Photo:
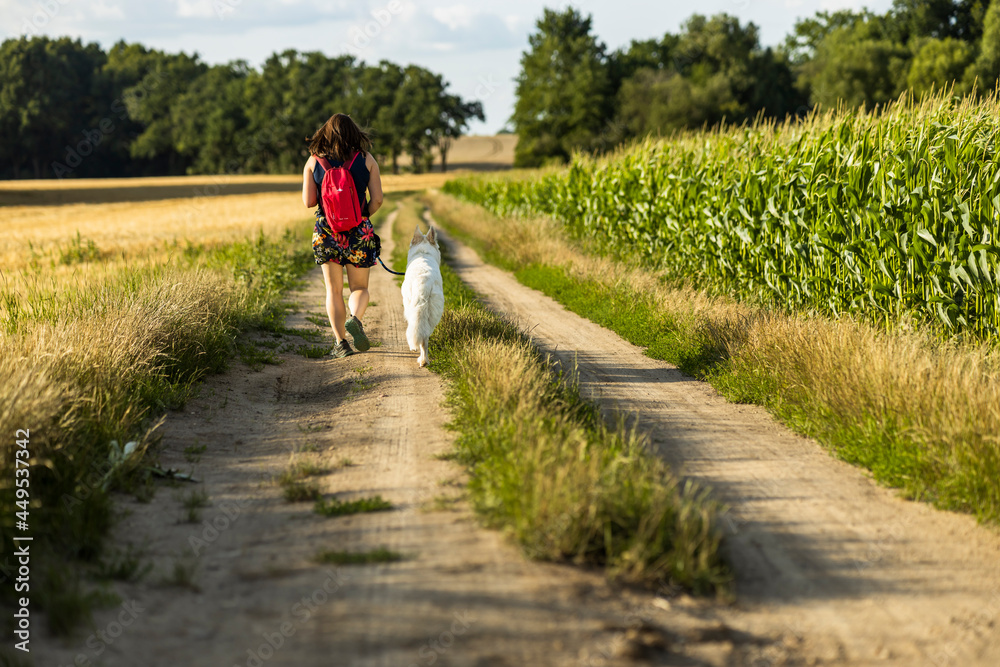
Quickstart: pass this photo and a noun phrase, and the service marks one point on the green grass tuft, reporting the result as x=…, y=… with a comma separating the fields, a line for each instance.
x=313, y=351
x=336, y=507
x=301, y=492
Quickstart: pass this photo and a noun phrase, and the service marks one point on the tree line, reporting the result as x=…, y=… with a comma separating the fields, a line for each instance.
x=573, y=94
x=69, y=109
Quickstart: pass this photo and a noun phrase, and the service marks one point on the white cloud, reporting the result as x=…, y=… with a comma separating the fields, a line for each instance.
x=104, y=11
x=455, y=17
x=200, y=9
x=514, y=22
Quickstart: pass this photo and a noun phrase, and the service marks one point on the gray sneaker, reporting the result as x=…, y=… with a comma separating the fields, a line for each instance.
x=353, y=326
x=342, y=349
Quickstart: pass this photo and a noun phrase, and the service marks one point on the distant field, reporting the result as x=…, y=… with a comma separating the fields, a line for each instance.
x=477, y=153
x=40, y=219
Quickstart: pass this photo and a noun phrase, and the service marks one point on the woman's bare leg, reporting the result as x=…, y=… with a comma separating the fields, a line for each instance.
x=333, y=276
x=357, y=280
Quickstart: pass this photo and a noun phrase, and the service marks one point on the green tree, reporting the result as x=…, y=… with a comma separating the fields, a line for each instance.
x=938, y=64
x=856, y=68
x=563, y=90
x=269, y=109
x=49, y=98
x=151, y=102
x=72, y=108
x=455, y=116
x=660, y=102
x=293, y=95
x=432, y=117
x=422, y=91
x=124, y=73
x=714, y=71
x=380, y=107
x=652, y=54
x=210, y=121
x=912, y=19
x=986, y=69
x=809, y=33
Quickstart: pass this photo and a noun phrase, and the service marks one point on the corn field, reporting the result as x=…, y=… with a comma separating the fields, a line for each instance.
x=887, y=215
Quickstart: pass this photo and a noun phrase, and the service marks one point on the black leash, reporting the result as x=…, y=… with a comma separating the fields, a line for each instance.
x=397, y=273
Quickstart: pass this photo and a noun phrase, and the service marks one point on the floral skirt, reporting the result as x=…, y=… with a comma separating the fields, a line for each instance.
x=359, y=246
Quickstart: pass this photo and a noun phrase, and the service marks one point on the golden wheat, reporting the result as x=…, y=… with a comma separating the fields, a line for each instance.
x=145, y=218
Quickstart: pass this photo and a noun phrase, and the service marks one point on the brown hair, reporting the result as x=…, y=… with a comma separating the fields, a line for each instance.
x=339, y=138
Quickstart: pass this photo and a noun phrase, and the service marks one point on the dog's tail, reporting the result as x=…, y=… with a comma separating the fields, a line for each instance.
x=412, y=327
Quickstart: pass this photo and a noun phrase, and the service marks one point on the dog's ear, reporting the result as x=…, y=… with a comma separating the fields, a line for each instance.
x=432, y=236
x=417, y=237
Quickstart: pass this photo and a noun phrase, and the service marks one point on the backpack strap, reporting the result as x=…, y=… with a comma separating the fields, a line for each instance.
x=352, y=160
x=323, y=162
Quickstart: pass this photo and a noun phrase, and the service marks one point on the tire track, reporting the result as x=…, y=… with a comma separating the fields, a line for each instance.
x=843, y=569
x=255, y=596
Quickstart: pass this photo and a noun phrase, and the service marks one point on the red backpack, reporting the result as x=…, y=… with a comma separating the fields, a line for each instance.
x=339, y=196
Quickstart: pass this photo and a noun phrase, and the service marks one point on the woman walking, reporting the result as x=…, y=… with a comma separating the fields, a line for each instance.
x=341, y=142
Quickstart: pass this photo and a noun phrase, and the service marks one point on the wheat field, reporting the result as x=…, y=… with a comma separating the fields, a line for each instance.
x=125, y=219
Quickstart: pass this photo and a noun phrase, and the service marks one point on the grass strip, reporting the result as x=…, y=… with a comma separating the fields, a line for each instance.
x=923, y=415
x=545, y=467
x=90, y=364
x=335, y=507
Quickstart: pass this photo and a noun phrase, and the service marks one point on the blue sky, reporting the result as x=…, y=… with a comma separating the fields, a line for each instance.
x=476, y=45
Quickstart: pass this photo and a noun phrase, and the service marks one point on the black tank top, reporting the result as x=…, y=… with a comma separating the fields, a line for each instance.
x=360, y=173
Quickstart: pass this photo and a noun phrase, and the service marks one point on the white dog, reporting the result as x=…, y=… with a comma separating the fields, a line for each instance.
x=423, y=291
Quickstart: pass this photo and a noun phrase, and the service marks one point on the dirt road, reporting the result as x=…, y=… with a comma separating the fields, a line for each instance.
x=240, y=584
x=844, y=570
x=832, y=569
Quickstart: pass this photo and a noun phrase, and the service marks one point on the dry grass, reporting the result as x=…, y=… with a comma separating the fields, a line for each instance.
x=145, y=229
x=546, y=468
x=923, y=414
x=96, y=342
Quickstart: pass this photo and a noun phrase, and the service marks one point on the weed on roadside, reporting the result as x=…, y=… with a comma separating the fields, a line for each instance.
x=182, y=572
x=313, y=351
x=294, y=488
x=193, y=503
x=123, y=565
x=300, y=492
x=192, y=453
x=69, y=600
x=255, y=357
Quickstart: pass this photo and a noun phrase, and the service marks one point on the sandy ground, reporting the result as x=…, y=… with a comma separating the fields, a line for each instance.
x=843, y=570
x=240, y=585
x=832, y=569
